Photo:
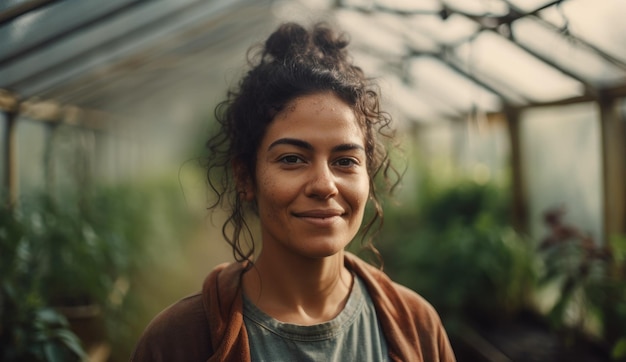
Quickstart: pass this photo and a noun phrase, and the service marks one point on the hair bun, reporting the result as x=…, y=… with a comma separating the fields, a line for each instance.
x=293, y=42
x=289, y=41
x=329, y=43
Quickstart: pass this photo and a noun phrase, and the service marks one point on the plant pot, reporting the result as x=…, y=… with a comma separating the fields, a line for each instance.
x=87, y=322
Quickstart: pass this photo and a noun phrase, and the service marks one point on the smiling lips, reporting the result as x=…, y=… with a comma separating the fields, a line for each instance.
x=320, y=217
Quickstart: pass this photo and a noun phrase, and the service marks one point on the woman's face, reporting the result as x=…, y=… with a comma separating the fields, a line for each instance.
x=311, y=178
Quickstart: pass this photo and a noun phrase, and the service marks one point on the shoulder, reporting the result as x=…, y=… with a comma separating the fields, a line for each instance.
x=410, y=323
x=184, y=330
x=416, y=305
x=413, y=299
x=378, y=276
x=180, y=332
x=426, y=322
x=402, y=300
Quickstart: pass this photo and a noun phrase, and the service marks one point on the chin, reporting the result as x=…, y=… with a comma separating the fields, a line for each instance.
x=323, y=251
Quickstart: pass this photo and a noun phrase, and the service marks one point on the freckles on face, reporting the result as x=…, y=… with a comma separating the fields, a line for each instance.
x=311, y=177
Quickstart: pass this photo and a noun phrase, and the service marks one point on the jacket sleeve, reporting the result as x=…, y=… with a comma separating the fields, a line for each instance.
x=179, y=333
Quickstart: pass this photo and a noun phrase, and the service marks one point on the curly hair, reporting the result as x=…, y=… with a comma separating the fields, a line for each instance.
x=293, y=62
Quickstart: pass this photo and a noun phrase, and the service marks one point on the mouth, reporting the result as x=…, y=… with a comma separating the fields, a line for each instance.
x=320, y=214
x=320, y=217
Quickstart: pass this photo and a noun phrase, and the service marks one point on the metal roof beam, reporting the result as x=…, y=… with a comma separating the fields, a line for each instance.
x=608, y=93
x=9, y=102
x=54, y=38
x=103, y=47
x=589, y=89
x=48, y=111
x=87, y=89
x=445, y=59
x=21, y=9
x=617, y=62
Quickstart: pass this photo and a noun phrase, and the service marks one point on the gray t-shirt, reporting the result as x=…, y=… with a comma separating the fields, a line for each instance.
x=354, y=335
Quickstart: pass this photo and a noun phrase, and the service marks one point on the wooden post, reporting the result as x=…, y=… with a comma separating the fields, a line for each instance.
x=10, y=159
x=48, y=159
x=518, y=182
x=613, y=135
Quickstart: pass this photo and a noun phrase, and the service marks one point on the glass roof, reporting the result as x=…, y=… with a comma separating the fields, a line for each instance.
x=435, y=59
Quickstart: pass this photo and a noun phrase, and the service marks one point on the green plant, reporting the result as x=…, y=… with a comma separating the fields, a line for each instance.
x=29, y=330
x=84, y=249
x=458, y=251
x=71, y=253
x=591, y=280
x=87, y=244
x=81, y=251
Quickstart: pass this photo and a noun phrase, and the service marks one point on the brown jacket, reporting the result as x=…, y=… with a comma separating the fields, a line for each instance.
x=209, y=326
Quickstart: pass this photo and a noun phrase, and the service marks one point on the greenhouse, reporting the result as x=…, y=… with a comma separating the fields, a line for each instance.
x=510, y=218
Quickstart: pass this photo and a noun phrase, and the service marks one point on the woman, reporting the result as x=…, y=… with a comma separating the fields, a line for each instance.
x=298, y=146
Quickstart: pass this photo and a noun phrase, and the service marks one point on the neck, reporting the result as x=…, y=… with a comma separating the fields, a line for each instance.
x=299, y=290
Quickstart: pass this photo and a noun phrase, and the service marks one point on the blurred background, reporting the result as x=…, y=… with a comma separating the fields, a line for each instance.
x=511, y=219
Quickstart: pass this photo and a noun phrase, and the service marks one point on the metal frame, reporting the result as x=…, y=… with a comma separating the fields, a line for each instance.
x=612, y=126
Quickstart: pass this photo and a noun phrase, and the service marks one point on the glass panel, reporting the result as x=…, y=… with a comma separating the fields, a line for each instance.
x=479, y=7
x=562, y=160
x=176, y=64
x=458, y=91
x=403, y=29
x=528, y=6
x=411, y=6
x=103, y=43
x=30, y=139
x=406, y=103
x=409, y=104
x=310, y=4
x=301, y=11
x=510, y=70
x=6, y=4
x=447, y=150
x=48, y=21
x=357, y=3
x=378, y=38
x=483, y=149
x=371, y=64
x=419, y=42
x=3, y=128
x=585, y=63
x=600, y=23
x=454, y=29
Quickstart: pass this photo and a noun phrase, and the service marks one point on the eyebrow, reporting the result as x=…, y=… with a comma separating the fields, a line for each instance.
x=307, y=146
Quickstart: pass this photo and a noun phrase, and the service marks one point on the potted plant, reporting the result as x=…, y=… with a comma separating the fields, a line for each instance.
x=29, y=330
x=591, y=283
x=77, y=262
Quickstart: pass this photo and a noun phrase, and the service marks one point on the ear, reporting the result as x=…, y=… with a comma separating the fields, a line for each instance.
x=245, y=185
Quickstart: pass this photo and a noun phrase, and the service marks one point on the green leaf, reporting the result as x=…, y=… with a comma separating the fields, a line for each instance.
x=619, y=349
x=71, y=341
x=56, y=352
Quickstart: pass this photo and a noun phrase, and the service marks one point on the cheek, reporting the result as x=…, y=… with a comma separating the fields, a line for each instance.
x=359, y=194
x=271, y=191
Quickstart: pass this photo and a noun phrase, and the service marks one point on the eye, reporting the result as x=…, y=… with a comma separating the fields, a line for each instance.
x=346, y=162
x=291, y=159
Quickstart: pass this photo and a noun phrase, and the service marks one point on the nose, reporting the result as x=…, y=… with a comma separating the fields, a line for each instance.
x=322, y=183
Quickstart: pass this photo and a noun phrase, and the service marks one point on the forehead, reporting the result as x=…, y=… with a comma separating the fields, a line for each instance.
x=315, y=114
